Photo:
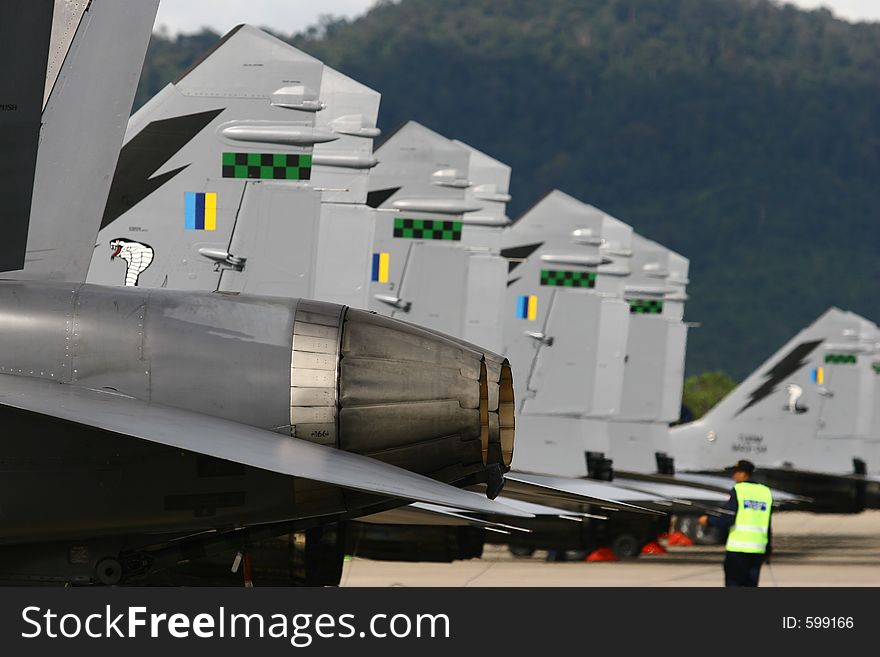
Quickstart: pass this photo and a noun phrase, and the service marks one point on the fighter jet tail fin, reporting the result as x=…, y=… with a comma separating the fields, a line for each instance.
x=782, y=414
x=74, y=65
x=24, y=47
x=789, y=380
x=216, y=174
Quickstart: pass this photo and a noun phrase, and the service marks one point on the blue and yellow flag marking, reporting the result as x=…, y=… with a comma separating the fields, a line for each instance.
x=527, y=307
x=201, y=211
x=817, y=375
x=381, y=262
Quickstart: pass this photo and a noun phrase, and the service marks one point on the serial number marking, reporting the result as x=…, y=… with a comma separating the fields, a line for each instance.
x=749, y=443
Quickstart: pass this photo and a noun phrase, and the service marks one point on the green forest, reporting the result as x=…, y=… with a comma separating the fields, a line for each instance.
x=743, y=134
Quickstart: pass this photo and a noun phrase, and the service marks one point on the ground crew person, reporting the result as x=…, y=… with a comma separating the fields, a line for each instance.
x=748, y=541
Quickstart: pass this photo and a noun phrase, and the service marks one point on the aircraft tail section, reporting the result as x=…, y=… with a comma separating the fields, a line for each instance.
x=565, y=330
x=24, y=46
x=441, y=208
x=342, y=167
x=215, y=175
x=87, y=85
x=654, y=363
x=791, y=413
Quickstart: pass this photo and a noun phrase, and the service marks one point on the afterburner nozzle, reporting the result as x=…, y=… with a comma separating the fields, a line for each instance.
x=406, y=395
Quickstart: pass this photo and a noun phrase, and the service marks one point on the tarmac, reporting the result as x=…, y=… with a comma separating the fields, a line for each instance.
x=810, y=550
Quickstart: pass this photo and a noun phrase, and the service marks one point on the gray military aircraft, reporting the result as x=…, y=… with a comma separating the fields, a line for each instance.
x=261, y=413
x=803, y=417
x=653, y=375
x=566, y=329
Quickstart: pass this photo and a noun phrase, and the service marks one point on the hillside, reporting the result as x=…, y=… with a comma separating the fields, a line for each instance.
x=742, y=134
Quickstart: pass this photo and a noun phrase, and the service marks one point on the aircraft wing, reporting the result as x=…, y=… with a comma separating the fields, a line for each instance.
x=681, y=495
x=421, y=513
x=719, y=483
x=259, y=448
x=569, y=492
x=544, y=510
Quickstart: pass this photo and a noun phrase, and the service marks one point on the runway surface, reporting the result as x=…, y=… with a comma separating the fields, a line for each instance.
x=810, y=550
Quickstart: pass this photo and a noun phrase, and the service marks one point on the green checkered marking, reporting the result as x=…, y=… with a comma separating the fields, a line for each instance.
x=561, y=278
x=267, y=166
x=841, y=359
x=428, y=229
x=645, y=306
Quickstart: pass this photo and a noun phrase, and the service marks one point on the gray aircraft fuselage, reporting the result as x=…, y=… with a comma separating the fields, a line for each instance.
x=273, y=363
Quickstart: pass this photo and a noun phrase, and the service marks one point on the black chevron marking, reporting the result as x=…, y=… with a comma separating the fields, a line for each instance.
x=145, y=154
x=790, y=363
x=519, y=253
x=379, y=196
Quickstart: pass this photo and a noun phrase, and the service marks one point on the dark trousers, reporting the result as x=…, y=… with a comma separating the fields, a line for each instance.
x=742, y=569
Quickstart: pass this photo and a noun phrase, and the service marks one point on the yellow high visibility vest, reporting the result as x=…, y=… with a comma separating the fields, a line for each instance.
x=752, y=524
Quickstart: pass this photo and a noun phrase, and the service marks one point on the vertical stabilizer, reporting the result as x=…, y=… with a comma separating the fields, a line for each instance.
x=24, y=46
x=565, y=330
x=654, y=369
x=342, y=167
x=798, y=411
x=214, y=177
x=438, y=234
x=88, y=84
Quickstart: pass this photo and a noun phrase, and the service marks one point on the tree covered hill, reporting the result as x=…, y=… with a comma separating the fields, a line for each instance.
x=741, y=133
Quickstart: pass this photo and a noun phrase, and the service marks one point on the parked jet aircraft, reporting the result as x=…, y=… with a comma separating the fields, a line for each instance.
x=653, y=376
x=566, y=330
x=260, y=413
x=802, y=417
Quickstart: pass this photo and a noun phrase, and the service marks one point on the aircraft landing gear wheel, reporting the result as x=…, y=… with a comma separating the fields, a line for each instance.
x=708, y=536
x=318, y=555
x=687, y=525
x=521, y=551
x=626, y=546
x=108, y=572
